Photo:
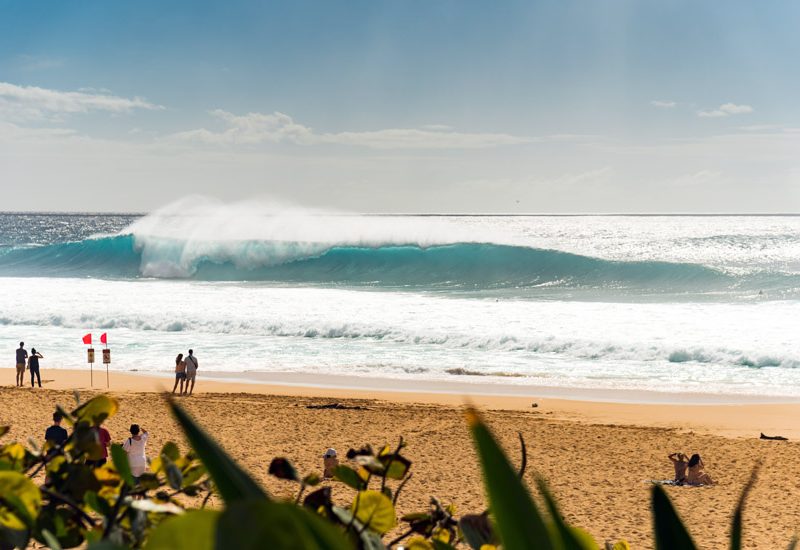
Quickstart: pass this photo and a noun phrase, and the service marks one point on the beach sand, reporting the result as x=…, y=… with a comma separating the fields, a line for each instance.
x=598, y=457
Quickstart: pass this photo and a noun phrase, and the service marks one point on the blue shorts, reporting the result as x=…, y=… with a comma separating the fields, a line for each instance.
x=180, y=376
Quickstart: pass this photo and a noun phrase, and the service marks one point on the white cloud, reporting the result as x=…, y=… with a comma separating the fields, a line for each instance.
x=256, y=128
x=663, y=104
x=726, y=109
x=34, y=103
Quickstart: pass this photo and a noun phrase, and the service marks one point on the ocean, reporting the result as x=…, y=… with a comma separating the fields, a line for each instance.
x=674, y=304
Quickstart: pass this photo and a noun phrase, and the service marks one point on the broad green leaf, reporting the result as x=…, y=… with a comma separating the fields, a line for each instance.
x=99, y=505
x=232, y=482
x=349, y=477
x=369, y=540
x=20, y=501
x=418, y=543
x=195, y=530
x=62, y=524
x=477, y=530
x=174, y=475
x=258, y=524
x=282, y=469
x=97, y=410
x=14, y=455
x=670, y=533
x=736, y=526
x=120, y=459
x=520, y=525
x=105, y=545
x=50, y=540
x=571, y=537
x=170, y=450
x=311, y=480
x=375, y=510
x=621, y=545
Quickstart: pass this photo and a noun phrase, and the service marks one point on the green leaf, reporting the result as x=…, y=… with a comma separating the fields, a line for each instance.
x=105, y=545
x=282, y=469
x=520, y=525
x=171, y=451
x=20, y=501
x=4, y=430
x=571, y=537
x=120, y=459
x=670, y=532
x=195, y=530
x=349, y=477
x=257, y=524
x=311, y=480
x=232, y=482
x=50, y=540
x=96, y=503
x=370, y=540
x=174, y=475
x=736, y=526
x=63, y=524
x=375, y=510
x=95, y=411
x=476, y=530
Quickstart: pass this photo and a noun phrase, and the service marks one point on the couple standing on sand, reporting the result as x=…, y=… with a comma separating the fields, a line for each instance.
x=32, y=362
x=185, y=372
x=696, y=474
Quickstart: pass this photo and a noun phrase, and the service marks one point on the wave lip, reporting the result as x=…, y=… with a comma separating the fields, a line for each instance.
x=460, y=265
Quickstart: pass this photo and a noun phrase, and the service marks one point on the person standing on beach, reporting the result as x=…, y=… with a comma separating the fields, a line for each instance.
x=135, y=447
x=33, y=366
x=101, y=457
x=55, y=434
x=180, y=372
x=22, y=358
x=191, y=372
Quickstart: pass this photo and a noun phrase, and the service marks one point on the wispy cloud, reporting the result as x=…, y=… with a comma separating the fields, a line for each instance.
x=34, y=103
x=663, y=104
x=726, y=109
x=256, y=128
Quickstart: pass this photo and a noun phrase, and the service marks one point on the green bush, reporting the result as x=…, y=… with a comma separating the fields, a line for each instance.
x=105, y=509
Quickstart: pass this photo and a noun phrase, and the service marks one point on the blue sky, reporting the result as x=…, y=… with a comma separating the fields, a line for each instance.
x=571, y=106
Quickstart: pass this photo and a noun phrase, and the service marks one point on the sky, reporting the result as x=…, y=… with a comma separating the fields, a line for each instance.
x=571, y=106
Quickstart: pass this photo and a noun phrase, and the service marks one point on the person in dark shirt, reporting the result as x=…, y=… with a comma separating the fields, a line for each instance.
x=22, y=358
x=33, y=365
x=56, y=433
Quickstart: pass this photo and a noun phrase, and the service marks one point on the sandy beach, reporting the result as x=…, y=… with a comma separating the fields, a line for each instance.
x=597, y=456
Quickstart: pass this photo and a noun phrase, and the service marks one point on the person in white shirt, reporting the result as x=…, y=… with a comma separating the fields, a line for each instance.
x=135, y=447
x=191, y=372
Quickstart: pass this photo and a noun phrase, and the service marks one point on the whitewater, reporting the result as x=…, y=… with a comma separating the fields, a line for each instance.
x=673, y=304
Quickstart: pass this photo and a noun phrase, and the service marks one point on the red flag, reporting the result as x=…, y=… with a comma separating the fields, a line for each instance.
x=103, y=338
x=88, y=339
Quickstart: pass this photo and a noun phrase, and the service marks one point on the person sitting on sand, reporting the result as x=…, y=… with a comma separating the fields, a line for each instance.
x=696, y=474
x=180, y=372
x=329, y=463
x=33, y=366
x=681, y=462
x=191, y=372
x=22, y=358
x=135, y=447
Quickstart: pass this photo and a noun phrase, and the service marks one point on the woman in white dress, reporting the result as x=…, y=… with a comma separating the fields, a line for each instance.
x=135, y=447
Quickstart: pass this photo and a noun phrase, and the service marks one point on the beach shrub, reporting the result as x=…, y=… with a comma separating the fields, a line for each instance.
x=105, y=508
